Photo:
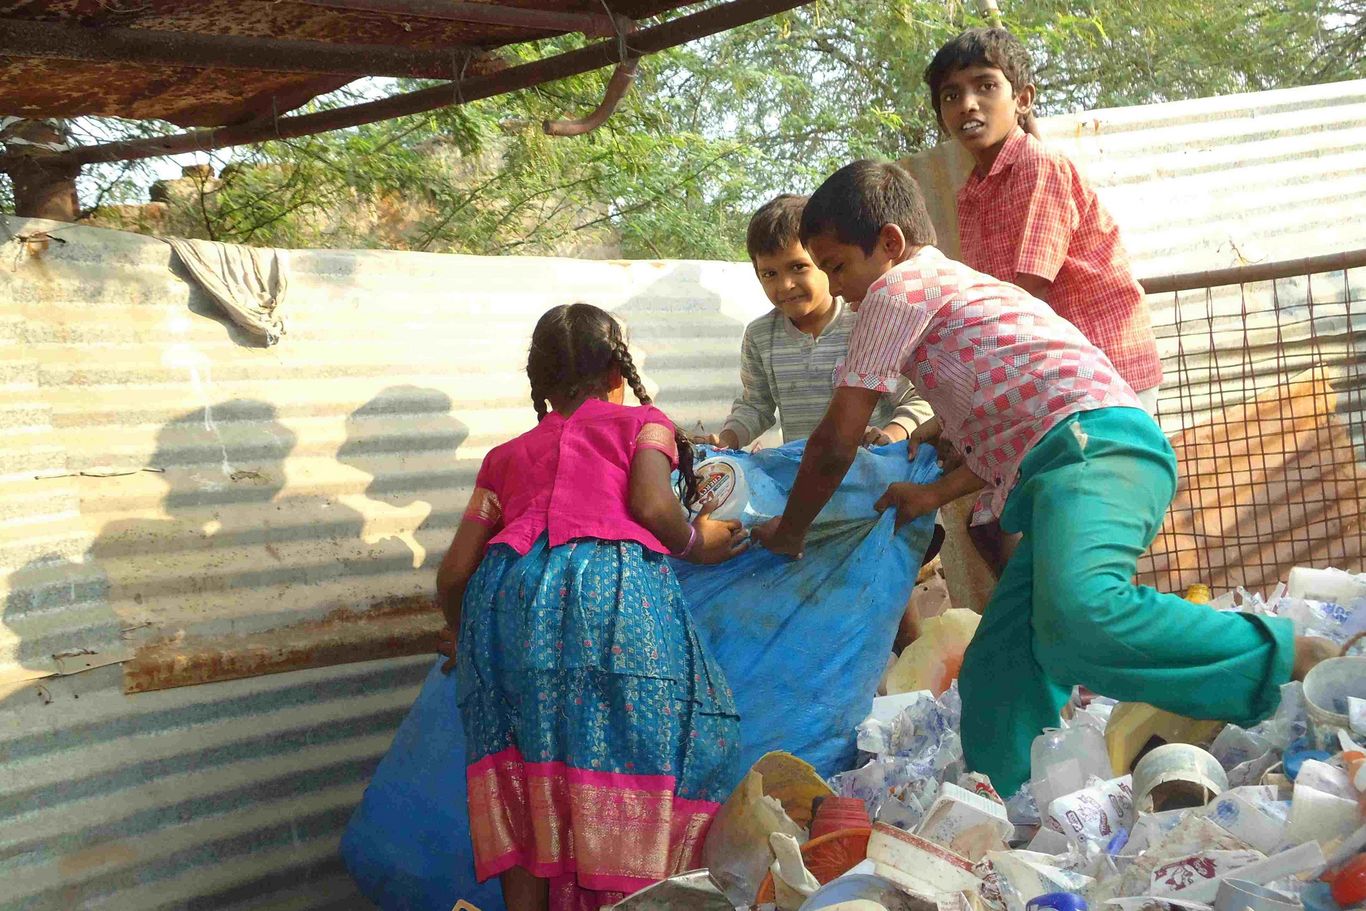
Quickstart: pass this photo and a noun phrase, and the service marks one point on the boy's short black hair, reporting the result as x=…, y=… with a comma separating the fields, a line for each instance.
x=994, y=47
x=775, y=226
x=857, y=200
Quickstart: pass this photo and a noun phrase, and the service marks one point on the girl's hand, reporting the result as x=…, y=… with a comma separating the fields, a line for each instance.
x=717, y=540
x=446, y=645
x=771, y=536
x=911, y=501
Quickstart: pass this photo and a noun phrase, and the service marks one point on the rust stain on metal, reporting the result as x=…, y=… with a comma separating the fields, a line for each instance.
x=392, y=628
x=101, y=855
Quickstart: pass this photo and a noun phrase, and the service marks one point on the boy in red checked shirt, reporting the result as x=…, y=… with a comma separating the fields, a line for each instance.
x=1067, y=457
x=1027, y=216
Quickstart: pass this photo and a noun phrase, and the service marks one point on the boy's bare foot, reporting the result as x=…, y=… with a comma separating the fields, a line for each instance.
x=1309, y=651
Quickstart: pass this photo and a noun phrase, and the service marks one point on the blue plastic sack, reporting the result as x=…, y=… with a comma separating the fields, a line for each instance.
x=803, y=644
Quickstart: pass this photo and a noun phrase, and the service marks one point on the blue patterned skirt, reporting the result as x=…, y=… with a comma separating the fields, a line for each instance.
x=601, y=735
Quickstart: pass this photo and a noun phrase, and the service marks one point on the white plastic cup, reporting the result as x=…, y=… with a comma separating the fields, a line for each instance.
x=721, y=478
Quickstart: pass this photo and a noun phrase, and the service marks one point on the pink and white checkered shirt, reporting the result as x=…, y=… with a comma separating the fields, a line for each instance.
x=1033, y=214
x=998, y=366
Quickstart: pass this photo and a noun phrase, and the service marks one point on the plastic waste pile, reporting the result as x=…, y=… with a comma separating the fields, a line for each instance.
x=1128, y=807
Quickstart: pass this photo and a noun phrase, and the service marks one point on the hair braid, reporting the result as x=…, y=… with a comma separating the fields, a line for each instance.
x=538, y=402
x=687, y=478
x=627, y=365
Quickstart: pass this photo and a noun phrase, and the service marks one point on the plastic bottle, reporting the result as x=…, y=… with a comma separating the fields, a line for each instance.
x=1349, y=885
x=1057, y=901
x=1061, y=761
x=1198, y=593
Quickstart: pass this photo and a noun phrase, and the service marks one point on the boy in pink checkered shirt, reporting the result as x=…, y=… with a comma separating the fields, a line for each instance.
x=1067, y=457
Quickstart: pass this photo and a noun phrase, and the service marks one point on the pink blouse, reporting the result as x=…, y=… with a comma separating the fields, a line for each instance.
x=569, y=477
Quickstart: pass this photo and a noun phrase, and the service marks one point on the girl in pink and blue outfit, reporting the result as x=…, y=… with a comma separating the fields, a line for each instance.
x=601, y=734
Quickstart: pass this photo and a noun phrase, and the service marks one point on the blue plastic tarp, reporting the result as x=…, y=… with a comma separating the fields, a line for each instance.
x=803, y=643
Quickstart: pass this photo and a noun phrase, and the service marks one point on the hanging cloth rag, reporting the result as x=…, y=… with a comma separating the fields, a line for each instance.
x=249, y=283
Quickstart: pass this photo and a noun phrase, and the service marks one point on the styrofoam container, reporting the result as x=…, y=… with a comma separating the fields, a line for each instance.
x=918, y=866
x=1326, y=585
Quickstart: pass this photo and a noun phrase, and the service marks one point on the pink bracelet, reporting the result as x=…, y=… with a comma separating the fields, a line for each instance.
x=692, y=539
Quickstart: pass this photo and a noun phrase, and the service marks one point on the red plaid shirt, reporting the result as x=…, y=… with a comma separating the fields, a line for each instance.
x=1035, y=215
x=998, y=366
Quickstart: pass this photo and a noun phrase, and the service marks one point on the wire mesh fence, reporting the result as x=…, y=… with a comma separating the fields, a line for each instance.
x=1264, y=400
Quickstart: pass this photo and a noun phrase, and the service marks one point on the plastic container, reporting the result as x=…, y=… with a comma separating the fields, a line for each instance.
x=932, y=662
x=836, y=814
x=1061, y=761
x=861, y=891
x=1325, y=585
x=827, y=858
x=1349, y=885
x=721, y=478
x=1240, y=895
x=1326, y=690
x=1057, y=901
x=1194, y=773
x=1135, y=725
x=920, y=867
x=1198, y=593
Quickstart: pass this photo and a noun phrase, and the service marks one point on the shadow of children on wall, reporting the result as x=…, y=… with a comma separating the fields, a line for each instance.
x=405, y=439
x=57, y=621
x=228, y=534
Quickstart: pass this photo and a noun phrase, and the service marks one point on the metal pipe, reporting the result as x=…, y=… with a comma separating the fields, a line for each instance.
x=617, y=87
x=1258, y=272
x=56, y=40
x=651, y=40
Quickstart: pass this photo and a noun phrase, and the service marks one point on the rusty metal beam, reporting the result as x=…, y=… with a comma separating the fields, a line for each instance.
x=595, y=24
x=55, y=40
x=1257, y=272
x=595, y=56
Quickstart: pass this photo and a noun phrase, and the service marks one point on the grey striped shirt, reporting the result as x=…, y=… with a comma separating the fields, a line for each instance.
x=785, y=370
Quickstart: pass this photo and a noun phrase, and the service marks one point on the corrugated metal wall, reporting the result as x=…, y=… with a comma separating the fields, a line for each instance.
x=159, y=478
x=1208, y=183
x=164, y=481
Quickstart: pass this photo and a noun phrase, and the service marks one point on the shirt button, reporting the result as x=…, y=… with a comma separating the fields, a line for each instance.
x=998, y=482
x=967, y=450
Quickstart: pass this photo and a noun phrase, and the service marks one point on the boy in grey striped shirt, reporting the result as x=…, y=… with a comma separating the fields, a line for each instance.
x=789, y=355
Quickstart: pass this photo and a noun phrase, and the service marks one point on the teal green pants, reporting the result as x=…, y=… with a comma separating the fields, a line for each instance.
x=1089, y=500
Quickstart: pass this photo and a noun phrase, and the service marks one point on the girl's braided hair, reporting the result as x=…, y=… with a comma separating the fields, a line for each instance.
x=572, y=349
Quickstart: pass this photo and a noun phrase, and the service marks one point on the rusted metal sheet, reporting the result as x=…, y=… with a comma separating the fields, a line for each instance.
x=192, y=96
x=388, y=629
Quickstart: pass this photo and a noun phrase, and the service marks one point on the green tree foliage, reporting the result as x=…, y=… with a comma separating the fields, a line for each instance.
x=713, y=128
